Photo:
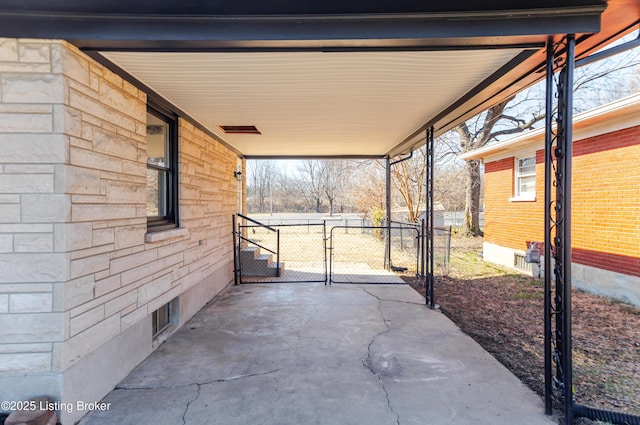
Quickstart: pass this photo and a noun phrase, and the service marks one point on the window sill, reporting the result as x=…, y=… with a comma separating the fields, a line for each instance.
x=525, y=198
x=165, y=234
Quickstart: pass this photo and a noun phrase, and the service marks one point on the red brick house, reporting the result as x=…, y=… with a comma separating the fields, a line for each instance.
x=606, y=199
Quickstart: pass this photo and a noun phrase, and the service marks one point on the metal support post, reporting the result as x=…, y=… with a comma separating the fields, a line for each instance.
x=423, y=238
x=387, y=255
x=429, y=299
x=236, y=253
x=558, y=229
x=548, y=160
x=557, y=243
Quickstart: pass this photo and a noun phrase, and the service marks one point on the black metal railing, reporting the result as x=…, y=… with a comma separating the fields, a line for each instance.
x=300, y=247
x=240, y=240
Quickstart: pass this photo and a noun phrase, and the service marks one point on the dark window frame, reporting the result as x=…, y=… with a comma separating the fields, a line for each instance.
x=170, y=219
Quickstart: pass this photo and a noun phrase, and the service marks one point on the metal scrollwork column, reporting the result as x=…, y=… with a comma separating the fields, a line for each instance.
x=557, y=264
x=429, y=219
x=557, y=249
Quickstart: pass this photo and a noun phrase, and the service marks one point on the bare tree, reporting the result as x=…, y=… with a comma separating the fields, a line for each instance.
x=261, y=176
x=594, y=85
x=367, y=187
x=333, y=178
x=409, y=178
x=477, y=135
x=449, y=187
x=310, y=183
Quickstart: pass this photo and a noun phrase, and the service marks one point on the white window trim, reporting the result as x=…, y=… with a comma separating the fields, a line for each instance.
x=527, y=196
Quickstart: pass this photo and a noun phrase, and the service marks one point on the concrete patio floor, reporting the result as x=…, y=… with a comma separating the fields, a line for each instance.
x=315, y=354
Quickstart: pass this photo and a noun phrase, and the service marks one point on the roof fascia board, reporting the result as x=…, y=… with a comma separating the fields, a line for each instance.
x=102, y=30
x=260, y=8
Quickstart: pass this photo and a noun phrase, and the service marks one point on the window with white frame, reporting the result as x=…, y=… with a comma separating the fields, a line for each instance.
x=525, y=177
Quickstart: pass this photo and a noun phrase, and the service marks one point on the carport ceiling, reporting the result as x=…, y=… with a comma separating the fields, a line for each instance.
x=325, y=78
x=314, y=103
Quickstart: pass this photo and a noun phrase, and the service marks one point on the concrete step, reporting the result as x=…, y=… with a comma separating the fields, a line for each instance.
x=249, y=253
x=255, y=264
x=261, y=269
x=273, y=268
x=264, y=258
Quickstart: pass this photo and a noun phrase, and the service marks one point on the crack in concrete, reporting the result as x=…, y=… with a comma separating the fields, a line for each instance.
x=186, y=409
x=198, y=385
x=214, y=381
x=366, y=362
x=391, y=301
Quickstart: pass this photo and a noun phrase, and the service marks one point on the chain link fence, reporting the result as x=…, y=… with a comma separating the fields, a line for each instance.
x=403, y=236
x=331, y=251
x=301, y=247
x=359, y=254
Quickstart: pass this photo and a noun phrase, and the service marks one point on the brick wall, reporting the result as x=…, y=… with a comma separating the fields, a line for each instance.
x=508, y=223
x=76, y=265
x=606, y=203
x=606, y=199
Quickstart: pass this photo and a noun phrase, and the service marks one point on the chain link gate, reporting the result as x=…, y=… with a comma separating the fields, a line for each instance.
x=280, y=253
x=317, y=252
x=357, y=253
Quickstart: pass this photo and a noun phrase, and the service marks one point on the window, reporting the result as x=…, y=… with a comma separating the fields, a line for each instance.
x=525, y=177
x=161, y=319
x=164, y=317
x=162, y=172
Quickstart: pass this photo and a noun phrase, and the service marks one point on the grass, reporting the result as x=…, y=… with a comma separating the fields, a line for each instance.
x=503, y=311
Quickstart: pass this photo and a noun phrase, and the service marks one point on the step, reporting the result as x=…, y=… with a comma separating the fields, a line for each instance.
x=264, y=258
x=249, y=253
x=258, y=266
x=255, y=264
x=273, y=268
x=262, y=269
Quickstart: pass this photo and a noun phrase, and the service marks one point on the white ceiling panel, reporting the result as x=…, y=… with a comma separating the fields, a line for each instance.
x=314, y=103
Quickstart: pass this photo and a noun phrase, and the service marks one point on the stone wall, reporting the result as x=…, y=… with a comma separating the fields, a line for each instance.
x=78, y=270
x=34, y=211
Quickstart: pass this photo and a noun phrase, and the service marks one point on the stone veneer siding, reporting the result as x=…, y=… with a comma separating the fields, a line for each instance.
x=79, y=276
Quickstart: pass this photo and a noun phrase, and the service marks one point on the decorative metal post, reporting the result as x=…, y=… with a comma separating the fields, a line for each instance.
x=387, y=247
x=558, y=228
x=429, y=299
x=557, y=249
x=548, y=161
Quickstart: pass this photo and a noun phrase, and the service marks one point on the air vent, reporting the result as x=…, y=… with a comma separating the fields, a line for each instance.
x=240, y=129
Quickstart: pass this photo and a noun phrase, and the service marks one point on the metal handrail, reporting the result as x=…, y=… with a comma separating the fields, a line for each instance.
x=276, y=231
x=256, y=222
x=257, y=244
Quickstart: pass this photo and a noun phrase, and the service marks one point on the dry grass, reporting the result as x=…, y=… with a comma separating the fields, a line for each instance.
x=503, y=311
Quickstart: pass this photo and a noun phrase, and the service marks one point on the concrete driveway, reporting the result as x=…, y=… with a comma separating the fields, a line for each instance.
x=315, y=354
